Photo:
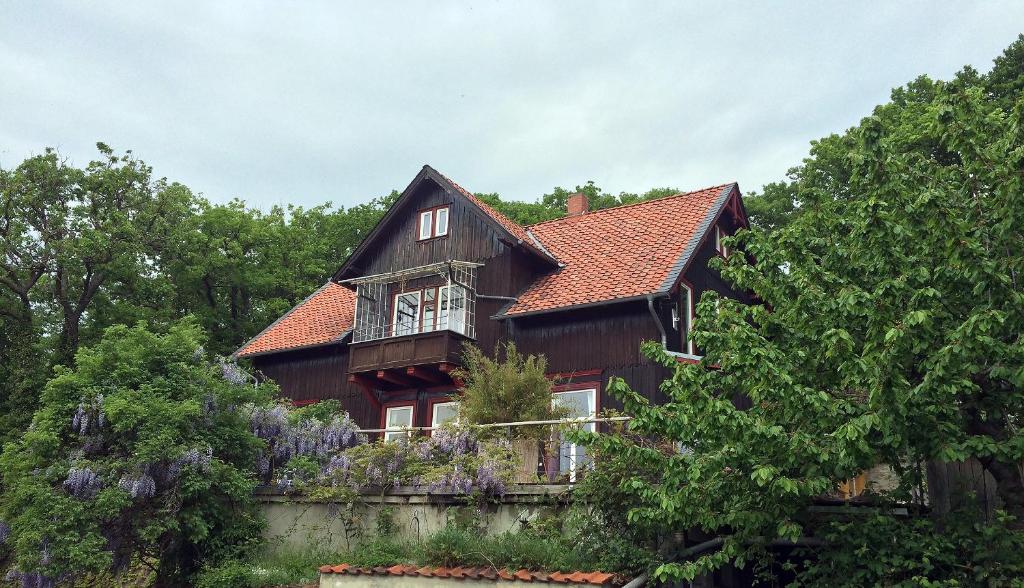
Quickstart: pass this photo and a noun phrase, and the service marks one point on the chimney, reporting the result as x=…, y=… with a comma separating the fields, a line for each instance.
x=577, y=204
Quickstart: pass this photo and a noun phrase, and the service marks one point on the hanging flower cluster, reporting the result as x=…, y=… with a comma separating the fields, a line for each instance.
x=89, y=417
x=139, y=487
x=289, y=438
x=82, y=483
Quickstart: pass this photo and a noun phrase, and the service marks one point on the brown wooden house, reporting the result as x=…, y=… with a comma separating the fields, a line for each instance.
x=442, y=269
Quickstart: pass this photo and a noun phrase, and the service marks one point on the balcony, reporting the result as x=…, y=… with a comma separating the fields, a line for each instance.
x=411, y=325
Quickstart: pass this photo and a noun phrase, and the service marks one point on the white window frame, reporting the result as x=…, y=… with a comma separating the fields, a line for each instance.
x=719, y=246
x=687, y=320
x=444, y=294
x=433, y=413
x=574, y=450
x=415, y=328
x=426, y=224
x=393, y=435
x=440, y=229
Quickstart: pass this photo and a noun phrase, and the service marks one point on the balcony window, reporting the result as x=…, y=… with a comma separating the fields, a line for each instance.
x=387, y=307
x=407, y=310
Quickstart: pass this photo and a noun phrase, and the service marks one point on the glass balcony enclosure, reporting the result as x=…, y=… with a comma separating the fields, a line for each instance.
x=435, y=297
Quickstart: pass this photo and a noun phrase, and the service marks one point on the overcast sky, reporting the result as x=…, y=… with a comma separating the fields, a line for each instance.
x=302, y=102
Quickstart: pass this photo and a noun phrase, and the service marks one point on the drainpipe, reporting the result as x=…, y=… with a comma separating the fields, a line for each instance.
x=491, y=297
x=657, y=321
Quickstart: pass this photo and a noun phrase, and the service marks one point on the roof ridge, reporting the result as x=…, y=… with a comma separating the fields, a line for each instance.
x=618, y=206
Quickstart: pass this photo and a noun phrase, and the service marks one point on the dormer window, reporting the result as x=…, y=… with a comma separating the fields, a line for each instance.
x=433, y=223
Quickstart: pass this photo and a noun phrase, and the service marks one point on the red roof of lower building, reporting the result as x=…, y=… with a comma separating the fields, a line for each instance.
x=487, y=574
x=325, y=317
x=622, y=252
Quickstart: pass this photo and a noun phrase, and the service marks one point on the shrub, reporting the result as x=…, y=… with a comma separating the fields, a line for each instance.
x=509, y=390
x=138, y=453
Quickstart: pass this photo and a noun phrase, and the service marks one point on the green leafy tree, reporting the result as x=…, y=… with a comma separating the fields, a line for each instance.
x=66, y=234
x=553, y=206
x=888, y=331
x=139, y=454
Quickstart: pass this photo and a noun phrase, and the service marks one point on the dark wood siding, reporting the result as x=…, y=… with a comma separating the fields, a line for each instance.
x=318, y=374
x=598, y=337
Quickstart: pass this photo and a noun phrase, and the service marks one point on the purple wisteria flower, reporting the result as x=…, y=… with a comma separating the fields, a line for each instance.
x=5, y=532
x=232, y=373
x=142, y=486
x=489, y=480
x=87, y=415
x=196, y=459
x=82, y=483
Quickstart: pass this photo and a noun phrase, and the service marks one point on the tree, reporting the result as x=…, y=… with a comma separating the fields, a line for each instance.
x=138, y=454
x=66, y=233
x=888, y=331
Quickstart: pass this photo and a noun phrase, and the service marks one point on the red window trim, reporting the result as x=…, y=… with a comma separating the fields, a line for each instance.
x=433, y=223
x=395, y=404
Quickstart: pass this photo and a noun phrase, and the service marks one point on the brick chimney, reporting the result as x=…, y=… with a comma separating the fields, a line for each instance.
x=577, y=204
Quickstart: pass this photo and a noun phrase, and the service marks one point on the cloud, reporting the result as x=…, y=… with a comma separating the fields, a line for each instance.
x=306, y=102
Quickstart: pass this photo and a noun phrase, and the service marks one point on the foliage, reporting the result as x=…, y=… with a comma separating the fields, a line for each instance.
x=597, y=521
x=139, y=453
x=888, y=550
x=513, y=388
x=268, y=569
x=451, y=461
x=887, y=330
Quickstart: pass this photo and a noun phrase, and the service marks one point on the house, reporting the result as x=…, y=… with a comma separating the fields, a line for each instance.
x=442, y=269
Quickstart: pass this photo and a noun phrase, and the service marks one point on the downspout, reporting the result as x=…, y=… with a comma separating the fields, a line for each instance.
x=657, y=321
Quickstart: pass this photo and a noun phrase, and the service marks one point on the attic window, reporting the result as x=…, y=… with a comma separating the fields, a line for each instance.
x=433, y=223
x=719, y=246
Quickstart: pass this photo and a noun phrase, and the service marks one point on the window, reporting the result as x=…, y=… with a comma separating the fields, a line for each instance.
x=444, y=412
x=686, y=317
x=451, y=312
x=440, y=222
x=581, y=404
x=397, y=417
x=426, y=224
x=719, y=246
x=433, y=223
x=429, y=309
x=407, y=313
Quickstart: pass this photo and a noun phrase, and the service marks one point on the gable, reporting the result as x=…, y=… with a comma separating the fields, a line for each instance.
x=475, y=231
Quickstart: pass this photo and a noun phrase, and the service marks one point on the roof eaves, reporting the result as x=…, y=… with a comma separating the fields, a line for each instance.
x=696, y=239
x=238, y=353
x=504, y=315
x=336, y=341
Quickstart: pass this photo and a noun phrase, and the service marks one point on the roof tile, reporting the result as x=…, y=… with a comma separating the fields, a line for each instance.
x=322, y=318
x=620, y=252
x=487, y=573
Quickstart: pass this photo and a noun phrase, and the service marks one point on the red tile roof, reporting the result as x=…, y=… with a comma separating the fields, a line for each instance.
x=481, y=573
x=622, y=252
x=322, y=318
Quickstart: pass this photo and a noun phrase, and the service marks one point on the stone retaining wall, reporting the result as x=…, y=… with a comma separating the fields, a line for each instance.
x=296, y=522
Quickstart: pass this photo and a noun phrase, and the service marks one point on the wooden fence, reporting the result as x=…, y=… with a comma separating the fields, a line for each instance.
x=951, y=484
